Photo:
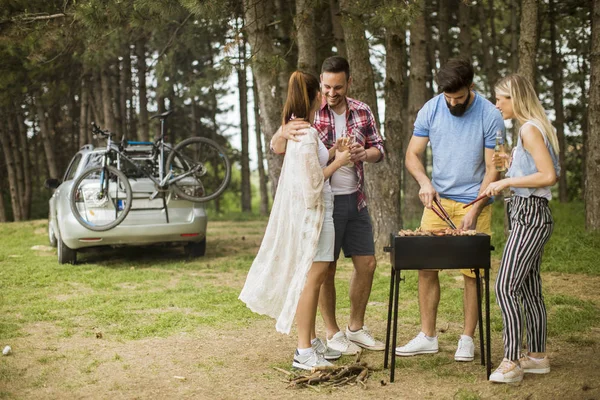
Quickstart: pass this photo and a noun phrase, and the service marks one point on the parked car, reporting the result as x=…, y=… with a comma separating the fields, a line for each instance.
x=165, y=219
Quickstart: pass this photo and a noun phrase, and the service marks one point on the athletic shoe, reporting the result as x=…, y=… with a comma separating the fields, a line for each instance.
x=310, y=361
x=531, y=366
x=328, y=353
x=340, y=342
x=419, y=345
x=507, y=372
x=465, y=350
x=364, y=339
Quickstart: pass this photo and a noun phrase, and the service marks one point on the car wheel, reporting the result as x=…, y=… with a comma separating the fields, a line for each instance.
x=66, y=255
x=51, y=236
x=195, y=249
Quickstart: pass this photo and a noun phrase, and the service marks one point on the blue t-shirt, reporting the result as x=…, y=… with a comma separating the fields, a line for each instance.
x=458, y=143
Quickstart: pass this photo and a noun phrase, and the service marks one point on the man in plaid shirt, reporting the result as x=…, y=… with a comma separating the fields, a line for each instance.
x=341, y=116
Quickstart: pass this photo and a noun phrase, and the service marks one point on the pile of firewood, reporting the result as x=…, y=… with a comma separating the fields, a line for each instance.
x=440, y=232
x=332, y=376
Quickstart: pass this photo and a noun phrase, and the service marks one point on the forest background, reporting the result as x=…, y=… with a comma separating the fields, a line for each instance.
x=66, y=63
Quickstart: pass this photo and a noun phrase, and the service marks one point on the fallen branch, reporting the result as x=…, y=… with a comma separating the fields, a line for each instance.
x=332, y=376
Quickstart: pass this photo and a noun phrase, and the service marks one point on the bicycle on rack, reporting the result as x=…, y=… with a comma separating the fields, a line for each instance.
x=197, y=170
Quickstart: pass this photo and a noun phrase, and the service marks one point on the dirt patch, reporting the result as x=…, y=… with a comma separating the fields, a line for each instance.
x=237, y=363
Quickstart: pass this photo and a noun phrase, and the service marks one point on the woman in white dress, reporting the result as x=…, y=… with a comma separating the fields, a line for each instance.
x=286, y=275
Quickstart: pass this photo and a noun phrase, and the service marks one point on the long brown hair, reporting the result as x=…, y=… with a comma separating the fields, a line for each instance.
x=302, y=91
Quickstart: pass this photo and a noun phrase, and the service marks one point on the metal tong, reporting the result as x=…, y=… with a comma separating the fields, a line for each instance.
x=483, y=196
x=441, y=212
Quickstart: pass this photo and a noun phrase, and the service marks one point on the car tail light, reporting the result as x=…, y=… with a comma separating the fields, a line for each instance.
x=189, y=234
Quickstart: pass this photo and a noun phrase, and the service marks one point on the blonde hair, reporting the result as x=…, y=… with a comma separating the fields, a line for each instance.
x=303, y=88
x=526, y=105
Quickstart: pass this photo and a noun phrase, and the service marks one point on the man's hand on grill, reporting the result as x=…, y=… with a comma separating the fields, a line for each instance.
x=469, y=221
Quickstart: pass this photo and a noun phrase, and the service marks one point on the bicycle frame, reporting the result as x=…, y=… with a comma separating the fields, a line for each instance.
x=163, y=180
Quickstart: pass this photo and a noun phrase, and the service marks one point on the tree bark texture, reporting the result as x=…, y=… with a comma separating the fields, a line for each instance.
x=464, y=23
x=363, y=89
x=412, y=206
x=592, y=163
x=11, y=168
x=47, y=139
x=528, y=39
x=258, y=16
x=557, y=91
x=85, y=133
x=107, y=100
x=307, y=44
x=444, y=36
x=262, y=175
x=338, y=30
x=143, y=126
x=388, y=209
x=488, y=45
x=25, y=155
x=514, y=35
x=246, y=199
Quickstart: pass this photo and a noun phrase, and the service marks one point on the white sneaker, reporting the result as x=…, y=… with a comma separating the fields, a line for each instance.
x=309, y=361
x=507, y=372
x=465, y=350
x=328, y=353
x=364, y=339
x=340, y=342
x=419, y=345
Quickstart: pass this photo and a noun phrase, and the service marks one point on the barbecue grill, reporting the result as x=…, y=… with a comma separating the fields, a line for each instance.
x=438, y=252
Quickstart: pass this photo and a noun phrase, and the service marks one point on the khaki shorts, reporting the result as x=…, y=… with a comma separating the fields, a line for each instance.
x=430, y=221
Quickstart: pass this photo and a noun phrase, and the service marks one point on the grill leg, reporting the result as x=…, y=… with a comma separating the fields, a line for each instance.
x=395, y=334
x=389, y=320
x=479, y=315
x=487, y=323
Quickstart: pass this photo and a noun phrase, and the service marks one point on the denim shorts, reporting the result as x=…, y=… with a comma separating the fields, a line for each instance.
x=326, y=238
x=353, y=229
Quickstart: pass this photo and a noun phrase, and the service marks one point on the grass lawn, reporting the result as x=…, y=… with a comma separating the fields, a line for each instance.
x=150, y=323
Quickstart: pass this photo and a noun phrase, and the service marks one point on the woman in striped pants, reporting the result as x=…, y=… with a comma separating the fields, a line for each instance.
x=533, y=170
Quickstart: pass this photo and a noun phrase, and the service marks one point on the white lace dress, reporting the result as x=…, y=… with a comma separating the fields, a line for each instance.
x=278, y=273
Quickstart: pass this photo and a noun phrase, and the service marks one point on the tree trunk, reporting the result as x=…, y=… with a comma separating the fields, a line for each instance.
x=444, y=36
x=5, y=143
x=514, y=35
x=307, y=44
x=245, y=161
x=338, y=31
x=488, y=45
x=592, y=164
x=390, y=202
x=107, y=100
x=84, y=106
x=380, y=193
x=14, y=144
x=464, y=23
x=45, y=131
x=140, y=51
x=262, y=176
x=124, y=69
x=96, y=98
x=528, y=39
x=257, y=16
x=284, y=11
x=557, y=89
x=413, y=207
x=130, y=108
x=25, y=154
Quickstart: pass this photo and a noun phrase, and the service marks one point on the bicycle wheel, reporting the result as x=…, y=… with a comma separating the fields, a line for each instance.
x=200, y=169
x=101, y=198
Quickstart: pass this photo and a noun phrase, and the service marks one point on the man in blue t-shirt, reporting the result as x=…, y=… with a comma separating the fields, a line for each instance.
x=461, y=126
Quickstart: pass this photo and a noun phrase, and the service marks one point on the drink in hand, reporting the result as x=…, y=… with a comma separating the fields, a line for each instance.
x=500, y=152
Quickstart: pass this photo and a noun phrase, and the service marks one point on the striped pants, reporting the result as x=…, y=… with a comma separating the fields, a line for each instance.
x=519, y=283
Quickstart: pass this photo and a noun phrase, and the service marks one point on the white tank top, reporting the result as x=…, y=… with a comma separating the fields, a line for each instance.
x=345, y=179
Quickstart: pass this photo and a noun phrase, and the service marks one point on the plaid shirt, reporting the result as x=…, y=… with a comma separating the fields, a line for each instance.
x=360, y=122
